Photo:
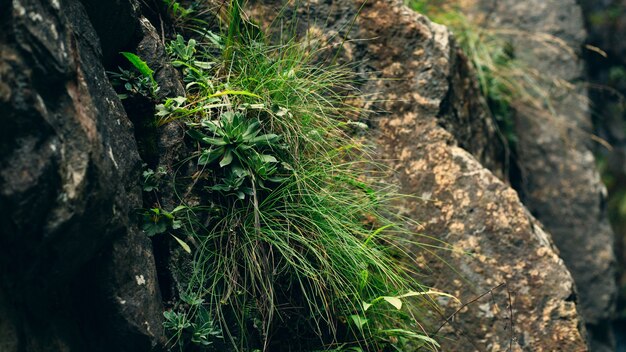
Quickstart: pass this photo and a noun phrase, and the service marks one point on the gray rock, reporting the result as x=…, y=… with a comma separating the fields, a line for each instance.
x=606, y=24
x=69, y=168
x=77, y=274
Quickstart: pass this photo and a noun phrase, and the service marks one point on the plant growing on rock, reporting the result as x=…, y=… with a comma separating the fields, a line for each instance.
x=244, y=154
x=300, y=231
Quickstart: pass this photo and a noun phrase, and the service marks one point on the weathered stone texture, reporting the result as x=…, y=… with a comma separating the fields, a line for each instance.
x=69, y=168
x=559, y=182
x=77, y=275
x=469, y=208
x=412, y=68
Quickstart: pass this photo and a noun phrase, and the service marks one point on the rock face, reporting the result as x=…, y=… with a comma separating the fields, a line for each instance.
x=466, y=206
x=77, y=274
x=559, y=182
x=606, y=25
x=413, y=66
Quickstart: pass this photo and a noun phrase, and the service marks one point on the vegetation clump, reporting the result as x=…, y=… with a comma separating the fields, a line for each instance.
x=293, y=239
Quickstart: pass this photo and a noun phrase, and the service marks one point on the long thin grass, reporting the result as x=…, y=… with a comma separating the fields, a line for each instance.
x=507, y=81
x=312, y=247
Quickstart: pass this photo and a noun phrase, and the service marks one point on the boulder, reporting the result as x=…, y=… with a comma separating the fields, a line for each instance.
x=430, y=128
x=558, y=178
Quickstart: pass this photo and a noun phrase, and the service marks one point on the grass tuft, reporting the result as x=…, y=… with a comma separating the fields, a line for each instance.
x=507, y=82
x=296, y=244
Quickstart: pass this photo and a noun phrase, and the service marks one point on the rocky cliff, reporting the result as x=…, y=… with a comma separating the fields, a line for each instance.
x=443, y=146
x=558, y=181
x=78, y=274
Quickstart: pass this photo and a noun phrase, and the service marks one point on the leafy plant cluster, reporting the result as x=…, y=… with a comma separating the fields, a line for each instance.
x=137, y=81
x=293, y=239
x=244, y=153
x=200, y=330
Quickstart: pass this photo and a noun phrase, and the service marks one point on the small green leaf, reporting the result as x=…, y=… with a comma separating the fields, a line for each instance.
x=252, y=130
x=183, y=244
x=264, y=139
x=239, y=171
x=428, y=339
x=179, y=100
x=411, y=334
x=204, y=64
x=281, y=112
x=191, y=299
x=227, y=159
x=276, y=179
x=213, y=126
x=162, y=110
x=214, y=141
x=167, y=214
x=179, y=208
x=214, y=39
x=394, y=301
x=210, y=155
x=234, y=92
x=268, y=158
x=154, y=228
x=359, y=321
x=139, y=64
x=195, y=134
x=429, y=292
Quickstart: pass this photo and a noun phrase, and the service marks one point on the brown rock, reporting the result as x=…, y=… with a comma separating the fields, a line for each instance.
x=428, y=120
